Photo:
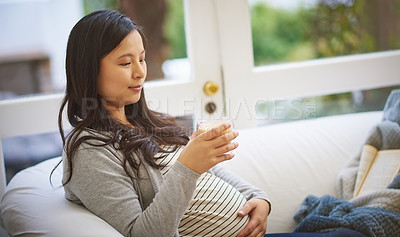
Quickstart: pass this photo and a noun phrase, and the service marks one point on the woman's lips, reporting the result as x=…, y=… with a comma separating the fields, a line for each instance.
x=136, y=88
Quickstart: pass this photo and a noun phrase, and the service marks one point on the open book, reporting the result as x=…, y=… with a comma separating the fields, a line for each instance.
x=377, y=169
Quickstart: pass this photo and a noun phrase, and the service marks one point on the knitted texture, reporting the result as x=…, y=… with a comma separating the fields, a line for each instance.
x=374, y=214
x=329, y=213
x=385, y=135
x=392, y=107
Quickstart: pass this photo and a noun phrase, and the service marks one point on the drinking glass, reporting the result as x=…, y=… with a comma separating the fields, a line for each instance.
x=204, y=125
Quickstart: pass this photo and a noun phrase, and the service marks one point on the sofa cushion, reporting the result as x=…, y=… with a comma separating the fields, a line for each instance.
x=33, y=207
x=294, y=159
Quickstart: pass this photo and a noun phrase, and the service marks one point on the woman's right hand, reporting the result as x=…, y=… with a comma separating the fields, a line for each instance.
x=209, y=148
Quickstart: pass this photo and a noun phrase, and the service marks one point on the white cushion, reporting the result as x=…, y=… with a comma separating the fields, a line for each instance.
x=32, y=207
x=294, y=159
x=288, y=161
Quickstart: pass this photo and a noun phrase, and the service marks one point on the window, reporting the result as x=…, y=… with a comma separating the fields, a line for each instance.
x=302, y=108
x=297, y=30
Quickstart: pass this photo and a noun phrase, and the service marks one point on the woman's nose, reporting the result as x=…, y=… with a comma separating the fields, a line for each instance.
x=139, y=71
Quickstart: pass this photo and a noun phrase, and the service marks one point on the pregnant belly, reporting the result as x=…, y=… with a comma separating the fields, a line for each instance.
x=213, y=209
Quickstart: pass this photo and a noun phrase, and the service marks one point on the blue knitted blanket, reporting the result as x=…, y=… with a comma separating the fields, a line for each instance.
x=329, y=213
x=376, y=214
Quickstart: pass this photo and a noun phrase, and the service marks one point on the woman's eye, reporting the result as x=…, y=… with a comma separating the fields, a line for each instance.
x=142, y=60
x=125, y=64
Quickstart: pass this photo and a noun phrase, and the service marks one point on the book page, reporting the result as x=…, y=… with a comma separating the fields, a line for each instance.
x=367, y=158
x=385, y=167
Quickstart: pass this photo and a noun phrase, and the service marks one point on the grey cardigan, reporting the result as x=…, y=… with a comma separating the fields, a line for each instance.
x=146, y=206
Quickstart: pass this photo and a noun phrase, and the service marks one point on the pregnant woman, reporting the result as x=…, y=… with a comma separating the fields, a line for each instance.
x=136, y=168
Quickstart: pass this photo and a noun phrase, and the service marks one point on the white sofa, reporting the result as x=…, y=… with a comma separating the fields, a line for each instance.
x=288, y=161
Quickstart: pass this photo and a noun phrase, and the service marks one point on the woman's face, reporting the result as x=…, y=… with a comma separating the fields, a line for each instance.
x=122, y=73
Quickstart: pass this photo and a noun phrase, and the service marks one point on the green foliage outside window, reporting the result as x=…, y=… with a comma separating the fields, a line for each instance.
x=174, y=29
x=330, y=28
x=280, y=35
x=94, y=5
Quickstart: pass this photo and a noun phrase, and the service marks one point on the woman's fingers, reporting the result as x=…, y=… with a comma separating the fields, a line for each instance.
x=221, y=140
x=226, y=156
x=216, y=131
x=227, y=137
x=226, y=148
x=208, y=148
x=219, y=135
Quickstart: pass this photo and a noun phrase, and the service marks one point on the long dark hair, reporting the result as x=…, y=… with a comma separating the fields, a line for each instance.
x=91, y=39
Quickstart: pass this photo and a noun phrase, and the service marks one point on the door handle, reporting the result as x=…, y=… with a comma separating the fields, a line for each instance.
x=211, y=107
x=210, y=88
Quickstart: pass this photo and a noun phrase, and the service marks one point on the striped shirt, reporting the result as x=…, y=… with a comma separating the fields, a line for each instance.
x=214, y=206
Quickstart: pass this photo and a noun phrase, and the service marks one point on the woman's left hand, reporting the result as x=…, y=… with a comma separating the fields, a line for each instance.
x=258, y=210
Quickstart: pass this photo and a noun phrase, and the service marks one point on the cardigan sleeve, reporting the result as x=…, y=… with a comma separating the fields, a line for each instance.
x=100, y=183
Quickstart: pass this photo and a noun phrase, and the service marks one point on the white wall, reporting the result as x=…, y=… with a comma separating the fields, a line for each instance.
x=31, y=26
